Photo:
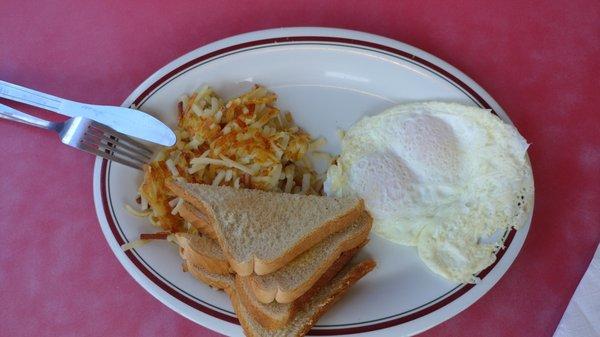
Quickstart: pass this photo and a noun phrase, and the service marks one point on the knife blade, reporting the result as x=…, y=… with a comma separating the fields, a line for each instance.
x=124, y=120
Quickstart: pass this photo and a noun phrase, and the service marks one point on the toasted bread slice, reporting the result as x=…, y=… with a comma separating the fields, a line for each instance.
x=306, y=316
x=292, y=280
x=261, y=231
x=276, y=315
x=197, y=219
x=203, y=251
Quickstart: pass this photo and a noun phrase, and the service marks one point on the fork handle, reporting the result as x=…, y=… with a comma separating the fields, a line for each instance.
x=9, y=113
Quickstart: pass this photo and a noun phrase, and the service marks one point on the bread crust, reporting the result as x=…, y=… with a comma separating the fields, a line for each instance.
x=271, y=323
x=207, y=261
x=353, y=275
x=223, y=283
x=268, y=295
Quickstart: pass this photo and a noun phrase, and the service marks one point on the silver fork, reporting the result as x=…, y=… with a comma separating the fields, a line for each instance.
x=89, y=136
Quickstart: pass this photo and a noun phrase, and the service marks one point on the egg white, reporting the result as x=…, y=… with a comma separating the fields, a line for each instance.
x=439, y=176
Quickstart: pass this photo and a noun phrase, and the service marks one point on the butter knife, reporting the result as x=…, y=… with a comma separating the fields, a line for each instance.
x=127, y=121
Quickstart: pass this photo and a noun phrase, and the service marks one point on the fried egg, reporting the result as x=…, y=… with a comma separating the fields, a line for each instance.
x=447, y=178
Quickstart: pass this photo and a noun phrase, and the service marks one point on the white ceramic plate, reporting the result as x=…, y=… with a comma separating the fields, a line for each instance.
x=328, y=79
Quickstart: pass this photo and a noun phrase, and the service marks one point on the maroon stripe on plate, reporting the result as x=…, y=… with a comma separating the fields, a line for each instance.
x=332, y=331
x=373, y=45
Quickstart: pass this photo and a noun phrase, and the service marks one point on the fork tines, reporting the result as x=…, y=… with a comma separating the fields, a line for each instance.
x=108, y=143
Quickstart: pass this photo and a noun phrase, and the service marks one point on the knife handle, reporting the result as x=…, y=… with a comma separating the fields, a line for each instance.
x=31, y=97
x=9, y=113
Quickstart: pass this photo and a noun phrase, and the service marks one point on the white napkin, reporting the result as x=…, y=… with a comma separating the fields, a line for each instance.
x=582, y=318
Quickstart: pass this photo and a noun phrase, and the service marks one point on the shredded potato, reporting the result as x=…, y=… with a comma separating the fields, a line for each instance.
x=134, y=244
x=246, y=142
x=136, y=212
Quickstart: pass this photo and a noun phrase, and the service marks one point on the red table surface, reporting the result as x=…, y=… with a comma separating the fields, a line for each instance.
x=539, y=60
